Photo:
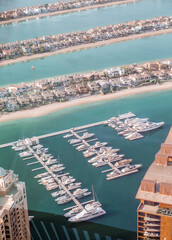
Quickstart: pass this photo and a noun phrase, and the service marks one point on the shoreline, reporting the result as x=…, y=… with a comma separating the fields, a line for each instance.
x=119, y=2
x=86, y=46
x=54, y=107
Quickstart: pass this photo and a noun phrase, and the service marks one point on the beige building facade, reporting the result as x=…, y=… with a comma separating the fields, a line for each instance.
x=14, y=220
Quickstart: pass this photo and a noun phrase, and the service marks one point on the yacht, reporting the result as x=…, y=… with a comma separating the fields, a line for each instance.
x=21, y=148
x=150, y=126
x=122, y=162
x=79, y=193
x=77, y=210
x=129, y=169
x=73, y=141
x=52, y=161
x=26, y=154
x=72, y=186
x=19, y=143
x=37, y=146
x=87, y=135
x=68, y=135
x=87, y=213
x=42, y=175
x=67, y=180
x=56, y=168
x=63, y=199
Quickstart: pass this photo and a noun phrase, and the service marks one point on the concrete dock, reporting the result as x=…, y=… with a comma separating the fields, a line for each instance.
x=58, y=133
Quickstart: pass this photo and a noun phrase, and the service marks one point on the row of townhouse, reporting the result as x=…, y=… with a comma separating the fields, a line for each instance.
x=51, y=7
x=61, y=41
x=66, y=87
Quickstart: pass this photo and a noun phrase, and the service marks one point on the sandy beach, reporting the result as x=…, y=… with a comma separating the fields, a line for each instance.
x=86, y=46
x=46, y=109
x=67, y=11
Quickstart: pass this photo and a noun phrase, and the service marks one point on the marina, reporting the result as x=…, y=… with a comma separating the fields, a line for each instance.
x=54, y=179
x=111, y=122
x=131, y=127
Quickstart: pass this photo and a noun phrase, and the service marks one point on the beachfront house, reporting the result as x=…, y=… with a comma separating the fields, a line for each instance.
x=104, y=86
x=35, y=98
x=23, y=100
x=60, y=94
x=115, y=84
x=81, y=88
x=1, y=104
x=93, y=87
x=43, y=84
x=12, y=105
x=115, y=72
x=56, y=82
x=47, y=96
x=17, y=89
x=4, y=92
x=71, y=91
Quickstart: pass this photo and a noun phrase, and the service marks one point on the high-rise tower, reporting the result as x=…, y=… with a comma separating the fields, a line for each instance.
x=154, y=214
x=14, y=221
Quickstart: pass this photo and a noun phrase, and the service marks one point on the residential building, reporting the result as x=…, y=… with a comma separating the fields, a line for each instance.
x=43, y=84
x=35, y=98
x=14, y=220
x=17, y=89
x=47, y=96
x=81, y=88
x=59, y=94
x=23, y=100
x=70, y=90
x=104, y=86
x=154, y=214
x=1, y=104
x=12, y=105
x=93, y=86
x=4, y=92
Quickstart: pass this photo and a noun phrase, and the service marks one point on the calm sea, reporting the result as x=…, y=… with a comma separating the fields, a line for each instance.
x=118, y=196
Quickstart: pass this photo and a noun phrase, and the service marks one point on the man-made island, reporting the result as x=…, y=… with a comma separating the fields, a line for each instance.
x=49, y=95
x=61, y=43
x=60, y=7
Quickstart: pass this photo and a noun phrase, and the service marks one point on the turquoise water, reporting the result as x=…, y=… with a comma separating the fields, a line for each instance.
x=116, y=196
x=85, y=20
x=128, y=52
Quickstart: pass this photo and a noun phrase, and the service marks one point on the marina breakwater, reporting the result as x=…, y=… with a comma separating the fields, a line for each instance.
x=58, y=133
x=49, y=45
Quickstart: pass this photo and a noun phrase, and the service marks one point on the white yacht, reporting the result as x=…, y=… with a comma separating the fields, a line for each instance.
x=150, y=126
x=20, y=148
x=73, y=141
x=129, y=169
x=79, y=193
x=26, y=154
x=68, y=135
x=77, y=210
x=42, y=175
x=73, y=185
x=87, y=213
x=87, y=135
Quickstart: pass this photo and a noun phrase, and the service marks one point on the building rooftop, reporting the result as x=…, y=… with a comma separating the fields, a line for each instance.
x=156, y=185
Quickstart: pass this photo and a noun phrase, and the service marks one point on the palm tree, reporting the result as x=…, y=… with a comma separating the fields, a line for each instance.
x=33, y=68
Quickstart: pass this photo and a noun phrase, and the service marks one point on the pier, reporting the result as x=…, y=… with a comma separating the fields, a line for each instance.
x=59, y=133
x=97, y=152
x=55, y=178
